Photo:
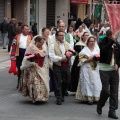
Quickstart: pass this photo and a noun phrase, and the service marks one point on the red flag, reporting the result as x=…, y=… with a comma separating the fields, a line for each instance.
x=79, y=1
x=113, y=11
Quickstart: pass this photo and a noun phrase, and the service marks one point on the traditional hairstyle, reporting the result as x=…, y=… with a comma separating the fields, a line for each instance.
x=87, y=41
x=39, y=38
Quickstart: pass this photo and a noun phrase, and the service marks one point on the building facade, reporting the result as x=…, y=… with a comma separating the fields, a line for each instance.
x=43, y=12
x=2, y=9
x=81, y=8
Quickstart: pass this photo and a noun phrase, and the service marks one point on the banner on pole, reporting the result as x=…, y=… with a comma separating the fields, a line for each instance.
x=113, y=11
x=79, y=1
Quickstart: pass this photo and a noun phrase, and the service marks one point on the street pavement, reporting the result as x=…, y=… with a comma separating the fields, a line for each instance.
x=13, y=106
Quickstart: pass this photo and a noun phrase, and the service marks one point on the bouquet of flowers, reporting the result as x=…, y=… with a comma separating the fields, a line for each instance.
x=31, y=57
x=96, y=58
x=70, y=53
x=76, y=37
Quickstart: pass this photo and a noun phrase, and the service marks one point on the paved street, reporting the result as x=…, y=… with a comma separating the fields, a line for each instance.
x=13, y=106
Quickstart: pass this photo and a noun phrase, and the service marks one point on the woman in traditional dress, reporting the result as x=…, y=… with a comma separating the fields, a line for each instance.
x=85, y=28
x=70, y=30
x=34, y=80
x=75, y=69
x=79, y=31
x=48, y=42
x=89, y=85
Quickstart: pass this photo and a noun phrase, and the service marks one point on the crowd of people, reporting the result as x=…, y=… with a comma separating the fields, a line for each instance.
x=63, y=59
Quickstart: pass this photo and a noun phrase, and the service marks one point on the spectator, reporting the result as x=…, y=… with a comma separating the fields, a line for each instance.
x=87, y=21
x=11, y=32
x=4, y=30
x=78, y=23
x=19, y=27
x=34, y=29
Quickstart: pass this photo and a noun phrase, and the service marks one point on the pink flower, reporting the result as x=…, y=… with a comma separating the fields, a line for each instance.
x=72, y=50
x=97, y=55
x=78, y=34
x=68, y=54
x=30, y=56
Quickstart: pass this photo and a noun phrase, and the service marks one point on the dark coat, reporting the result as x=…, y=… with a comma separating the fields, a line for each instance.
x=75, y=70
x=78, y=23
x=106, y=50
x=11, y=31
x=4, y=27
x=34, y=30
x=87, y=22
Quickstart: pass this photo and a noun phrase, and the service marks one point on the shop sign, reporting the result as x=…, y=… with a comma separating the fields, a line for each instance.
x=79, y=1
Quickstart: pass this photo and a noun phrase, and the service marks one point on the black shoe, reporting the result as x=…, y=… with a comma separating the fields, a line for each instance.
x=112, y=114
x=66, y=93
x=99, y=110
x=90, y=103
x=59, y=102
x=4, y=48
x=33, y=101
x=62, y=99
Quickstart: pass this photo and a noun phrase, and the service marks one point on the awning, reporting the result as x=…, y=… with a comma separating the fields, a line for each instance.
x=79, y=1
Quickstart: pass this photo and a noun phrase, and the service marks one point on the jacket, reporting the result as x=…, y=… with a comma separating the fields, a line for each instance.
x=11, y=31
x=106, y=49
x=4, y=27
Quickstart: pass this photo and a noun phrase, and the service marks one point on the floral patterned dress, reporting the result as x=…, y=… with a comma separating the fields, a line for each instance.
x=34, y=80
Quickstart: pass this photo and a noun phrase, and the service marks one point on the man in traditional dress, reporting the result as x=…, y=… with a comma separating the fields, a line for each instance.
x=21, y=42
x=61, y=68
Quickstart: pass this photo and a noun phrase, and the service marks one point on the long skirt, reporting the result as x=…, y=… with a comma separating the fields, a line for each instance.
x=89, y=85
x=32, y=85
x=74, y=75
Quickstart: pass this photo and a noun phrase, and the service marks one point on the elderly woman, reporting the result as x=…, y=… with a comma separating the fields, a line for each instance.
x=89, y=85
x=34, y=80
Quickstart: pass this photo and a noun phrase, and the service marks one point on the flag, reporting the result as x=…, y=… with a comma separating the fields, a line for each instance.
x=79, y=1
x=97, y=12
x=113, y=11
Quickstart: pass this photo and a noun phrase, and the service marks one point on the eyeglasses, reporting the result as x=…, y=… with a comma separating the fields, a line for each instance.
x=61, y=35
x=91, y=41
